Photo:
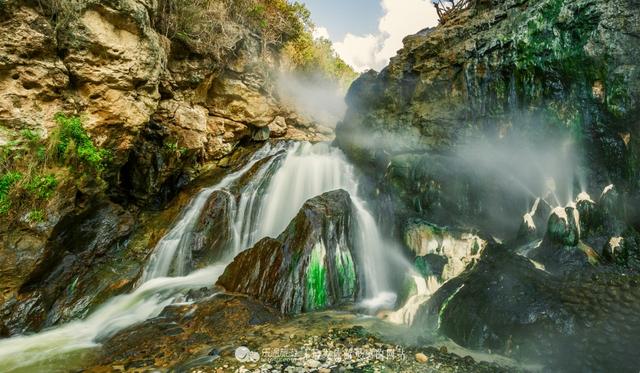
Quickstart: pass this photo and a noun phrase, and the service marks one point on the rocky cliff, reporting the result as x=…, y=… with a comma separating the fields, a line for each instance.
x=138, y=91
x=160, y=106
x=549, y=74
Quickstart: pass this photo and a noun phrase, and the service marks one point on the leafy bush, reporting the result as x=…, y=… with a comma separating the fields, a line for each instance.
x=28, y=173
x=74, y=142
x=42, y=186
x=7, y=181
x=214, y=27
x=36, y=216
x=318, y=57
x=30, y=135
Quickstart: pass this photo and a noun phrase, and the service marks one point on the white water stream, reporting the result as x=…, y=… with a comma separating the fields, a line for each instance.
x=265, y=206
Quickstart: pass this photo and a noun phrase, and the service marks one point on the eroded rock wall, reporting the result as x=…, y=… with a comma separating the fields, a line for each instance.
x=161, y=108
x=549, y=73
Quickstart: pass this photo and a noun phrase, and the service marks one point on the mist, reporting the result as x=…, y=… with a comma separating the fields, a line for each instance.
x=313, y=96
x=485, y=182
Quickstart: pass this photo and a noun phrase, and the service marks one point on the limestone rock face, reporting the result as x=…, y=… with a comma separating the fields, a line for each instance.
x=310, y=266
x=116, y=60
x=539, y=69
x=32, y=76
x=432, y=244
x=123, y=77
x=163, y=109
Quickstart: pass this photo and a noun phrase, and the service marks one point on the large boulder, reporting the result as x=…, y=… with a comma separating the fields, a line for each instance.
x=507, y=304
x=310, y=266
x=52, y=287
x=440, y=251
x=213, y=231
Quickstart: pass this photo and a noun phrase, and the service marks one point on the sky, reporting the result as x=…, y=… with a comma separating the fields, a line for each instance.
x=366, y=33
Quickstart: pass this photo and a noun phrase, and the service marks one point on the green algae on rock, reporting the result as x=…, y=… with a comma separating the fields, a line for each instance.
x=309, y=267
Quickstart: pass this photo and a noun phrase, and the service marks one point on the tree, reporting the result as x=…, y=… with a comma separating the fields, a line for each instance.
x=446, y=9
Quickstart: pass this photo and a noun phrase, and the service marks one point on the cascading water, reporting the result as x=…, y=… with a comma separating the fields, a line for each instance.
x=264, y=206
x=155, y=292
x=172, y=252
x=310, y=170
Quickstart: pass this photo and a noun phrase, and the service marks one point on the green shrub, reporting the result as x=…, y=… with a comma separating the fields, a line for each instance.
x=30, y=136
x=7, y=181
x=74, y=142
x=214, y=27
x=317, y=57
x=42, y=186
x=36, y=216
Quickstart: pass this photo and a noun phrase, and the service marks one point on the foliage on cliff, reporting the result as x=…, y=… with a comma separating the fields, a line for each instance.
x=284, y=26
x=204, y=25
x=317, y=57
x=31, y=167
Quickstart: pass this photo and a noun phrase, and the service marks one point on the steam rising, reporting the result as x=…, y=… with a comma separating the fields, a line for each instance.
x=496, y=180
x=313, y=96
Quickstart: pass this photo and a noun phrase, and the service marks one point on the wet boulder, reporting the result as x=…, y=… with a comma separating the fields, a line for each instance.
x=623, y=250
x=561, y=251
x=80, y=242
x=441, y=251
x=501, y=303
x=589, y=218
x=508, y=304
x=613, y=249
x=611, y=209
x=564, y=226
x=310, y=266
x=213, y=229
x=534, y=221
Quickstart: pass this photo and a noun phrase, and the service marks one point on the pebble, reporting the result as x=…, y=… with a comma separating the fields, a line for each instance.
x=312, y=363
x=421, y=358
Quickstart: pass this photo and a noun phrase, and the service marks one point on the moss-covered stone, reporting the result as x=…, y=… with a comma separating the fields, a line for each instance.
x=309, y=267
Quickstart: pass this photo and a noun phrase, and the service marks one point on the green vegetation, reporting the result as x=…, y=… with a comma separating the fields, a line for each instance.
x=204, y=25
x=172, y=146
x=31, y=167
x=41, y=186
x=7, y=181
x=317, y=57
x=36, y=216
x=207, y=26
x=74, y=145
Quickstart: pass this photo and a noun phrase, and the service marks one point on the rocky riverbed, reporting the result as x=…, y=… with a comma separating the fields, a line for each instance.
x=208, y=336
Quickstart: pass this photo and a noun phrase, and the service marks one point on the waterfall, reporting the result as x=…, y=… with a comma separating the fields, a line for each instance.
x=172, y=251
x=154, y=292
x=279, y=184
x=310, y=170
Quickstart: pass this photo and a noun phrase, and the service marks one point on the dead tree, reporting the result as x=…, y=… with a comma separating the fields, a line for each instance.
x=446, y=9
